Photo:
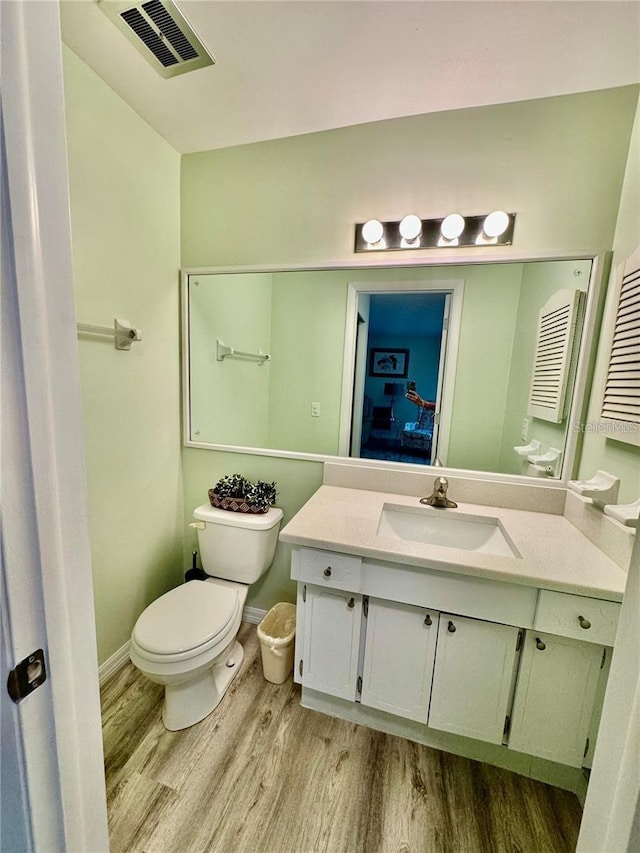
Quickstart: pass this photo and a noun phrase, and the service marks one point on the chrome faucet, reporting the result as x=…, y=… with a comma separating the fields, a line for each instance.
x=439, y=496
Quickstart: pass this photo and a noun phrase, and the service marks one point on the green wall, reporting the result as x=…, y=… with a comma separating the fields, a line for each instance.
x=307, y=336
x=598, y=451
x=558, y=162
x=124, y=183
x=491, y=297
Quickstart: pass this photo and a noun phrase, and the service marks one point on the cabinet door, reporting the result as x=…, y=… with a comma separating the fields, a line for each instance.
x=398, y=658
x=554, y=697
x=331, y=641
x=473, y=677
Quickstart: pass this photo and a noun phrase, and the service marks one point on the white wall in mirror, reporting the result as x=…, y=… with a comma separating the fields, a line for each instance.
x=295, y=404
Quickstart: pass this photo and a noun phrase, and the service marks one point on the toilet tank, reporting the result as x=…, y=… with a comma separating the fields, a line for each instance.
x=237, y=546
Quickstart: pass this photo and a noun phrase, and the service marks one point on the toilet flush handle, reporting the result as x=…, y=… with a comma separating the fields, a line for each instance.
x=197, y=525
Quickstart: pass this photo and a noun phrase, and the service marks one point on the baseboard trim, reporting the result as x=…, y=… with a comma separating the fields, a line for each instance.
x=114, y=663
x=253, y=615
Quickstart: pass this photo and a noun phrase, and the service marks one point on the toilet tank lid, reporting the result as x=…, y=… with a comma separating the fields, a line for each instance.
x=253, y=521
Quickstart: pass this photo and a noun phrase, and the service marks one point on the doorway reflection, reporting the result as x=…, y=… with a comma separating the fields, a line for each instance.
x=402, y=342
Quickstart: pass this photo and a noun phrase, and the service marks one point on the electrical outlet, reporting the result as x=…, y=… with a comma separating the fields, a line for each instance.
x=524, y=432
x=315, y=410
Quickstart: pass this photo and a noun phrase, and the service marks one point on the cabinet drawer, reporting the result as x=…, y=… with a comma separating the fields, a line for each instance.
x=578, y=617
x=479, y=598
x=328, y=568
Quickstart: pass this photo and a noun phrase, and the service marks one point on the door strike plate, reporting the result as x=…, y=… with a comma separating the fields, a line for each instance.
x=27, y=675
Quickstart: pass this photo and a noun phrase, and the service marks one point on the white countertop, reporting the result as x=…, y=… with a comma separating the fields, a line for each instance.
x=554, y=554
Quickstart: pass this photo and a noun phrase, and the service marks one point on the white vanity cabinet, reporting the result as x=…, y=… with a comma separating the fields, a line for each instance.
x=331, y=641
x=399, y=650
x=473, y=677
x=445, y=655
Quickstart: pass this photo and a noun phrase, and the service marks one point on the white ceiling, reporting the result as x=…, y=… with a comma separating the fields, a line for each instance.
x=298, y=66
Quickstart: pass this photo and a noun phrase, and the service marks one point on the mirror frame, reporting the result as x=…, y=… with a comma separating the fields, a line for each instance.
x=584, y=370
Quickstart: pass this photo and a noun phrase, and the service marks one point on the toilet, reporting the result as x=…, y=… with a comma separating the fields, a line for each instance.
x=186, y=639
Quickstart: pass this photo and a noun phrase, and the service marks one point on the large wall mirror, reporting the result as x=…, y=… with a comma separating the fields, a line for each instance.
x=500, y=351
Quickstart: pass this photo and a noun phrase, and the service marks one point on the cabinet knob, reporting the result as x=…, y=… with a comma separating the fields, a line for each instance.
x=451, y=628
x=351, y=603
x=327, y=572
x=540, y=645
x=428, y=620
x=584, y=623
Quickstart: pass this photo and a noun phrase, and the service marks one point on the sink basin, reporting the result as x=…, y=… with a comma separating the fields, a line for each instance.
x=446, y=528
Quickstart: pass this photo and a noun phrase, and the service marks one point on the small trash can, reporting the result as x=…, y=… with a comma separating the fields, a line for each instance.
x=276, y=633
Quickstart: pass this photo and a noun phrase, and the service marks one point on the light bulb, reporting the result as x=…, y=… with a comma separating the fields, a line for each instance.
x=372, y=231
x=452, y=226
x=411, y=227
x=496, y=223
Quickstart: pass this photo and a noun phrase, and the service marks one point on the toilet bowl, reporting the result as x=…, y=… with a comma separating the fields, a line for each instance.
x=186, y=639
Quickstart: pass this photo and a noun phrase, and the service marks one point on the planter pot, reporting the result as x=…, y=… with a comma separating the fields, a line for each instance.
x=234, y=504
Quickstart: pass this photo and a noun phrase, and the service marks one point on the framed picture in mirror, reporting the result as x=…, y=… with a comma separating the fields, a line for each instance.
x=389, y=362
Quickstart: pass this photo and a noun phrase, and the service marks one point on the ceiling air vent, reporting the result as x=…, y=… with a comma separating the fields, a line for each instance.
x=161, y=34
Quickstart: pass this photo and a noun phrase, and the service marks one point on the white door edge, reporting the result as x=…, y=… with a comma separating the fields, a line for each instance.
x=60, y=721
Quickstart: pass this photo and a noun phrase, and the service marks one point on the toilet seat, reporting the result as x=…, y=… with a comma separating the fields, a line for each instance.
x=186, y=621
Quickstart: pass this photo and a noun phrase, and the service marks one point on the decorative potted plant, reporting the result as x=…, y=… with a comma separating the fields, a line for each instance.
x=237, y=494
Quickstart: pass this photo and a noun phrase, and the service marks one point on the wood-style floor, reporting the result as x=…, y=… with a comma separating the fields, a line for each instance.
x=263, y=775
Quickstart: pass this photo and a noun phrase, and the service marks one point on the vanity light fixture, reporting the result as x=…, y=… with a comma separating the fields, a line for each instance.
x=410, y=229
x=372, y=232
x=452, y=231
x=493, y=227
